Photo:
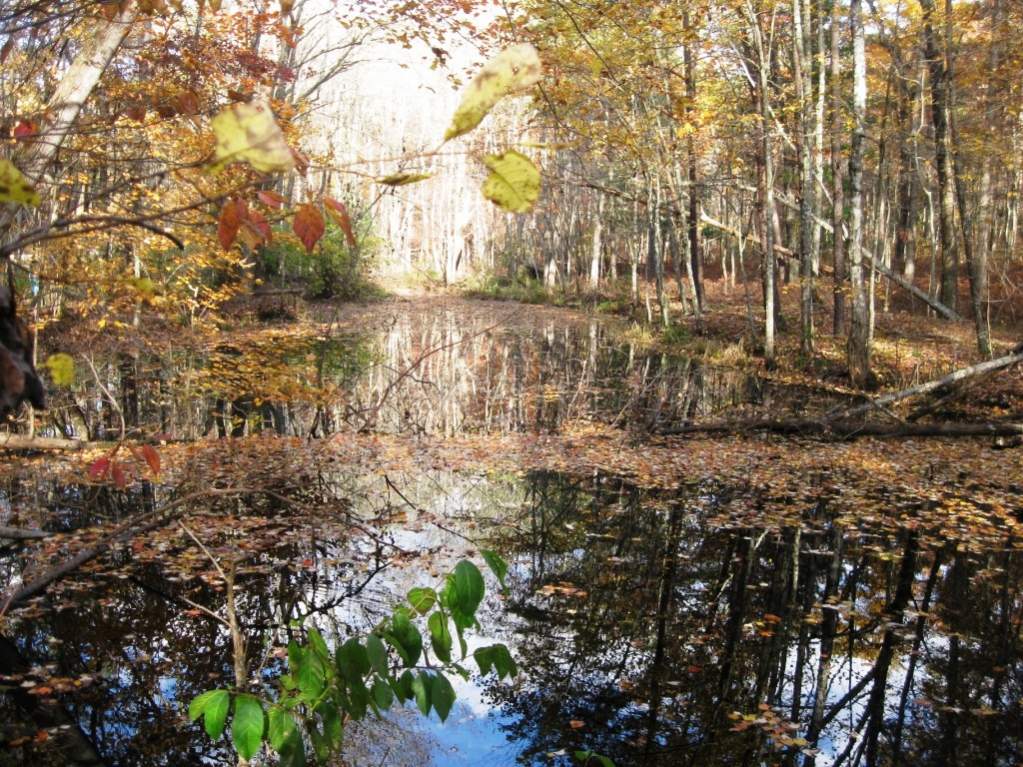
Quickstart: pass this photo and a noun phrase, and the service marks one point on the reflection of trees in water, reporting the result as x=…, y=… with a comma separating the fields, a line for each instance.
x=437, y=372
x=915, y=650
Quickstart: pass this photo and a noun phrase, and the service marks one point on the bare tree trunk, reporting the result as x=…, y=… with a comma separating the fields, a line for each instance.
x=804, y=91
x=837, y=189
x=946, y=191
x=767, y=190
x=695, y=256
x=859, y=330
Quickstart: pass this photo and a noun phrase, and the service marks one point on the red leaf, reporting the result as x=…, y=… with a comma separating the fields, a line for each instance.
x=339, y=213
x=152, y=459
x=120, y=478
x=187, y=103
x=99, y=468
x=24, y=130
x=136, y=112
x=260, y=225
x=309, y=226
x=231, y=217
x=6, y=50
x=301, y=161
x=271, y=199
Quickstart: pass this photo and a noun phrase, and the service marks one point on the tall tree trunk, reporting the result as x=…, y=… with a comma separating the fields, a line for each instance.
x=767, y=180
x=695, y=256
x=804, y=92
x=859, y=329
x=946, y=191
x=837, y=188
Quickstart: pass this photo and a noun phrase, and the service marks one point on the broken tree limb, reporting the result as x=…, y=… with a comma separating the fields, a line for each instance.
x=850, y=429
x=22, y=442
x=989, y=366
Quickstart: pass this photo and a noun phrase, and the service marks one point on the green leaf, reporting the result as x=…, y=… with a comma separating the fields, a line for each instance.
x=422, y=599
x=377, y=654
x=333, y=729
x=440, y=635
x=247, y=725
x=358, y=699
x=484, y=659
x=14, y=187
x=62, y=369
x=317, y=642
x=513, y=69
x=292, y=751
x=249, y=133
x=503, y=662
x=585, y=757
x=403, y=179
x=383, y=695
x=353, y=660
x=513, y=183
x=280, y=725
x=402, y=687
x=421, y=691
x=467, y=584
x=405, y=636
x=213, y=706
x=497, y=566
x=442, y=696
x=311, y=676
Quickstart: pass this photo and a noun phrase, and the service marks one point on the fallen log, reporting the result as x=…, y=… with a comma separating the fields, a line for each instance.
x=21, y=533
x=850, y=429
x=22, y=442
x=988, y=366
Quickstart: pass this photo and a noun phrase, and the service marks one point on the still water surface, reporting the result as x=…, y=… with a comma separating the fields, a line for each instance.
x=645, y=628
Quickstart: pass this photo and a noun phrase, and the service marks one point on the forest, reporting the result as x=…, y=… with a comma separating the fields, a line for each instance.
x=536, y=382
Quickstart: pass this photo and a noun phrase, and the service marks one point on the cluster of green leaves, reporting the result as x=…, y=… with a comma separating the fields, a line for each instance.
x=322, y=690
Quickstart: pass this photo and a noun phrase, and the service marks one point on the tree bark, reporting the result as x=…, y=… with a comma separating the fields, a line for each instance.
x=858, y=351
x=946, y=192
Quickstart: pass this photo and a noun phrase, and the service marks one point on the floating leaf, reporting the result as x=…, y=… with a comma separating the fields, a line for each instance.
x=14, y=187
x=62, y=369
x=308, y=226
x=402, y=179
x=249, y=133
x=513, y=69
x=513, y=183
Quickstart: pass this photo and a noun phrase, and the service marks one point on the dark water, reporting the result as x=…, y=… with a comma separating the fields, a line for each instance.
x=646, y=630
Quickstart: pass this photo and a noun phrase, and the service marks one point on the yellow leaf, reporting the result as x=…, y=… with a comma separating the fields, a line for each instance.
x=401, y=179
x=249, y=133
x=14, y=187
x=62, y=369
x=513, y=183
x=513, y=69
